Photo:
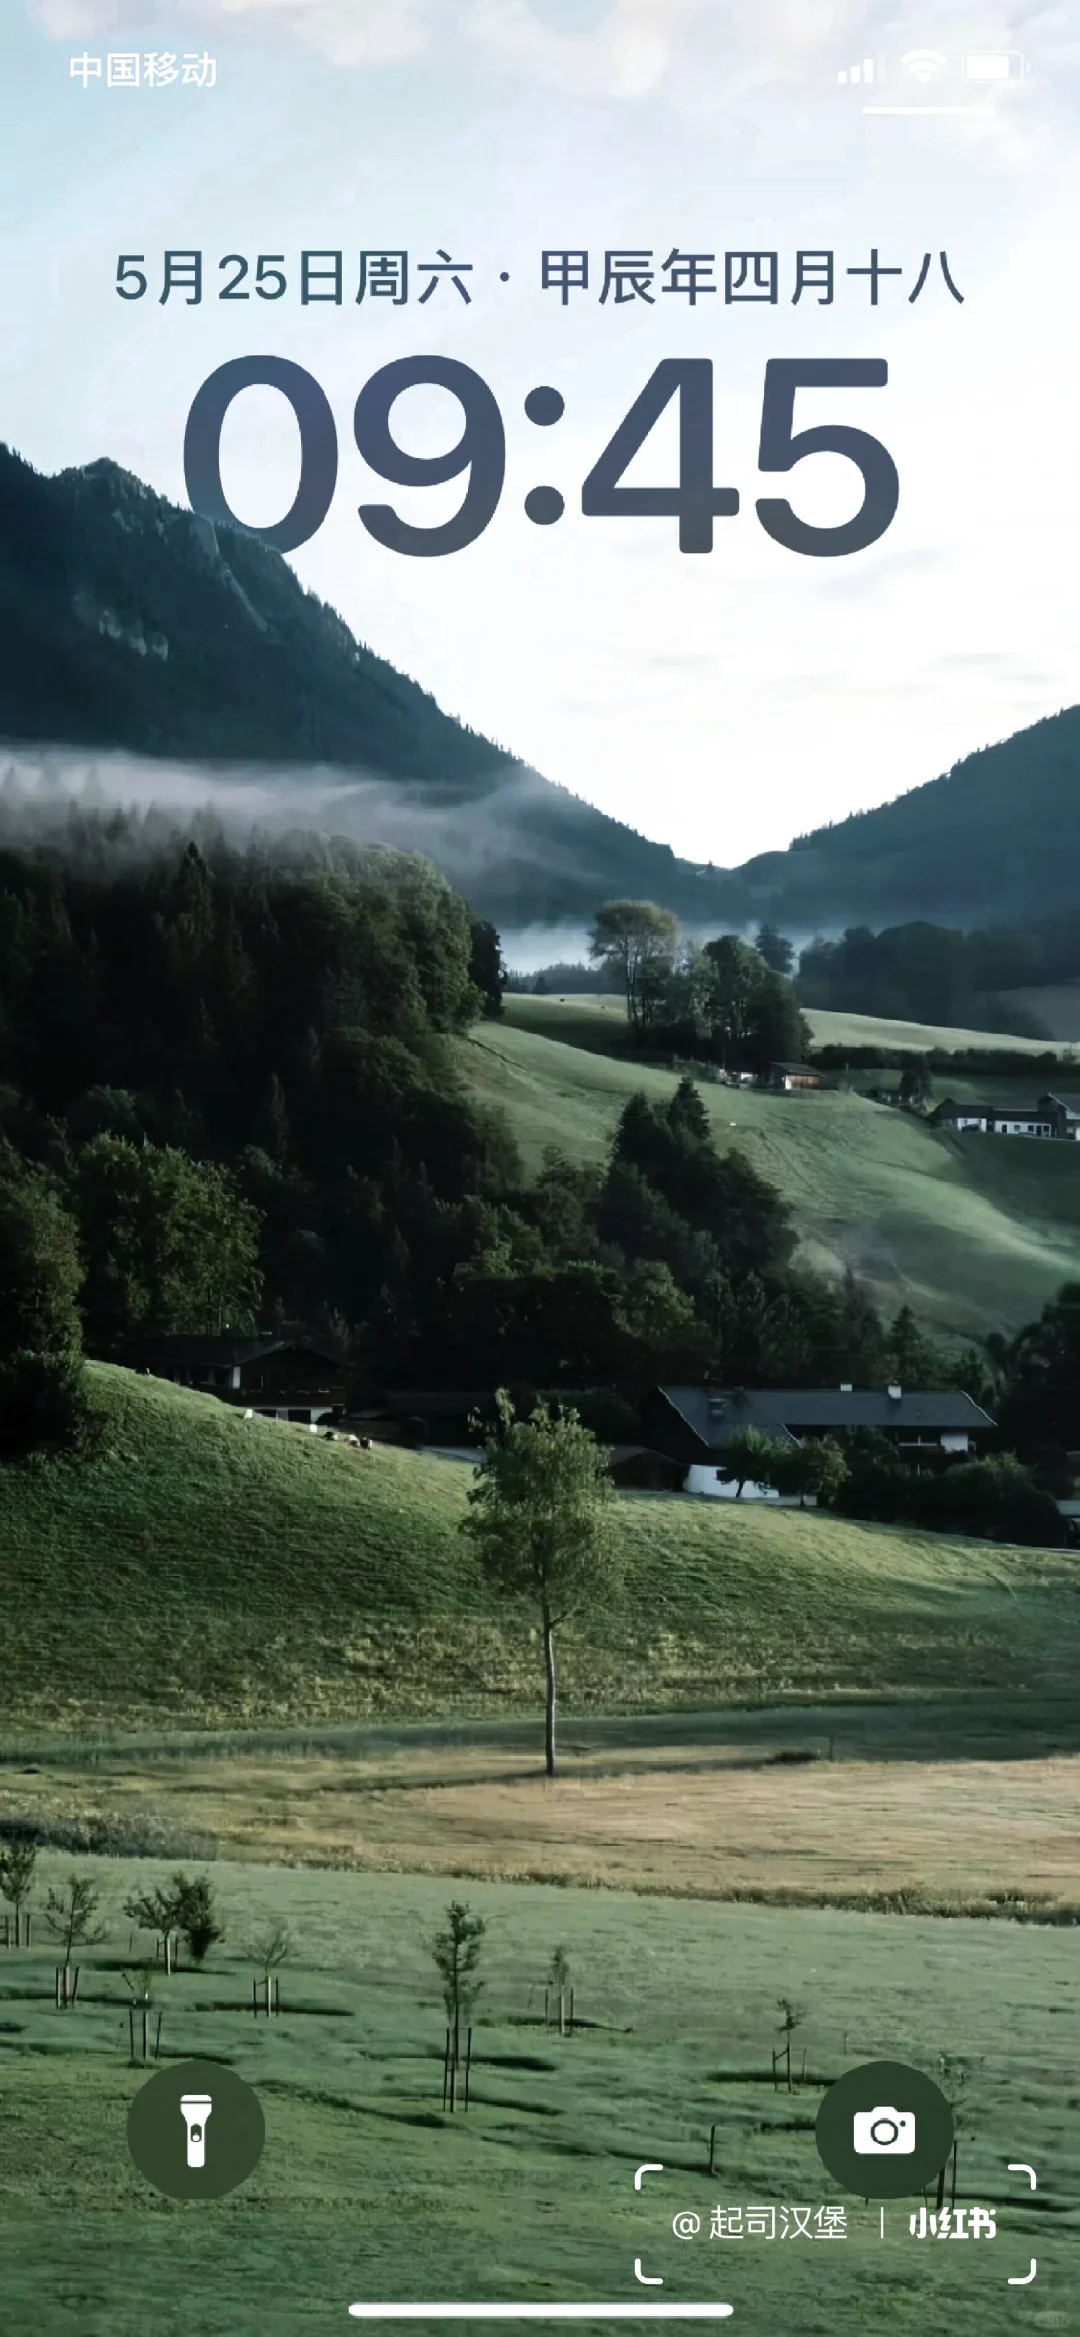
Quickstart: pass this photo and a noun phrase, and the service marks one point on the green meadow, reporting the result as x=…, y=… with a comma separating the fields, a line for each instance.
x=368, y=2190
x=204, y=1570
x=875, y=1030
x=594, y=1012
x=214, y=1617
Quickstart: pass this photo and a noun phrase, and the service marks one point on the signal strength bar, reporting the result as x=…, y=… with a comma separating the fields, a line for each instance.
x=854, y=74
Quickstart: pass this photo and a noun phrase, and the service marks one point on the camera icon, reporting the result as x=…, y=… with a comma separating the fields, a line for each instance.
x=883, y=2133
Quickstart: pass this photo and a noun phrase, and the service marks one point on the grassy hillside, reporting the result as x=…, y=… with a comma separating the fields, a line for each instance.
x=595, y=1021
x=599, y=1021
x=973, y=1238
x=206, y=1569
x=875, y=1030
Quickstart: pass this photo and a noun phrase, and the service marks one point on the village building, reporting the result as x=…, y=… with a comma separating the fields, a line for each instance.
x=283, y=1379
x=697, y=1424
x=795, y=1078
x=1053, y=1116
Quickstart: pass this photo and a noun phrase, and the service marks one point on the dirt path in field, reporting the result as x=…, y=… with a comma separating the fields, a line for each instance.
x=943, y=1830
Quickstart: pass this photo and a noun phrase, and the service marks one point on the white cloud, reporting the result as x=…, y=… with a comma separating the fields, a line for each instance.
x=76, y=19
x=347, y=32
x=626, y=55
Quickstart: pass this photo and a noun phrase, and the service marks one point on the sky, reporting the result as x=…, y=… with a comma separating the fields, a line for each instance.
x=721, y=702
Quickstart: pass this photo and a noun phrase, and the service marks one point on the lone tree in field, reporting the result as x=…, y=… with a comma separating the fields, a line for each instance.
x=457, y=1949
x=71, y=1917
x=540, y=1515
x=637, y=941
x=17, y=1863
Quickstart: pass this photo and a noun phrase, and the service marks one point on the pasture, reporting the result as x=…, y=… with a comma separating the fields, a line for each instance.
x=368, y=2190
x=971, y=1246
x=204, y=1571
x=596, y=1018
x=875, y=1030
x=955, y=1804
x=232, y=1646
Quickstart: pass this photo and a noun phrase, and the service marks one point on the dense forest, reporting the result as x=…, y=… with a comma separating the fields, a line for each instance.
x=270, y=1033
x=234, y=1071
x=930, y=973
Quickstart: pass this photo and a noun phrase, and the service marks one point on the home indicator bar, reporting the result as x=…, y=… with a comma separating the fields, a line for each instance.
x=585, y=2312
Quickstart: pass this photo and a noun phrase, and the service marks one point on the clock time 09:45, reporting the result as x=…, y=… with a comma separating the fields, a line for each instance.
x=479, y=455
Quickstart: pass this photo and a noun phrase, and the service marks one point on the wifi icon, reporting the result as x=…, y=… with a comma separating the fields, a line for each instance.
x=923, y=63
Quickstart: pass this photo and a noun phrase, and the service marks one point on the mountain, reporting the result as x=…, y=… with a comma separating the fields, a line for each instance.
x=128, y=624
x=996, y=841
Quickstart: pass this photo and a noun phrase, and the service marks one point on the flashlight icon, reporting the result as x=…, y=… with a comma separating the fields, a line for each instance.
x=195, y=2110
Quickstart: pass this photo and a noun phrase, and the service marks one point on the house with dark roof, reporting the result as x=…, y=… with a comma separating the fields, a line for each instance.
x=283, y=1379
x=795, y=1078
x=1054, y=1116
x=696, y=1425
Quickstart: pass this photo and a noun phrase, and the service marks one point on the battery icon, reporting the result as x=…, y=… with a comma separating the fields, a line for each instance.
x=995, y=65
